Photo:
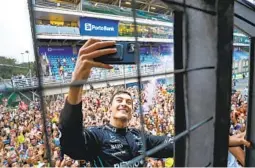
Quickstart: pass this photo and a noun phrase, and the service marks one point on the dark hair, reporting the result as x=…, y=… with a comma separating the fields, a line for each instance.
x=118, y=93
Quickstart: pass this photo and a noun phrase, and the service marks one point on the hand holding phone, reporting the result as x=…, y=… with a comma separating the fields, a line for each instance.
x=91, y=50
x=125, y=54
x=85, y=62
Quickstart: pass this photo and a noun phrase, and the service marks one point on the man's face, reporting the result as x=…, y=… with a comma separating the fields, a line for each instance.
x=122, y=107
x=33, y=140
x=151, y=127
x=159, y=163
x=68, y=161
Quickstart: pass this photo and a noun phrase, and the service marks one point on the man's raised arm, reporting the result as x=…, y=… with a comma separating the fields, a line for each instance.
x=76, y=142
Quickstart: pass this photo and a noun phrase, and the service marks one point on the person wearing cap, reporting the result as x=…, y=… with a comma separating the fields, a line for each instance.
x=113, y=144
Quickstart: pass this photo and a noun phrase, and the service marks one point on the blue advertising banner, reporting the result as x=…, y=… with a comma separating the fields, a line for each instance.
x=166, y=49
x=55, y=51
x=56, y=61
x=98, y=27
x=144, y=50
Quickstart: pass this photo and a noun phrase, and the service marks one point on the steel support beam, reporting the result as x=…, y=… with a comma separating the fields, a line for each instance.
x=244, y=18
x=250, y=153
x=154, y=4
x=244, y=26
x=115, y=2
x=144, y=7
x=200, y=50
x=206, y=6
x=180, y=122
x=244, y=11
x=207, y=41
x=225, y=24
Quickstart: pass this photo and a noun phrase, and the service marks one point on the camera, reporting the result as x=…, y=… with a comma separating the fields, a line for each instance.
x=125, y=54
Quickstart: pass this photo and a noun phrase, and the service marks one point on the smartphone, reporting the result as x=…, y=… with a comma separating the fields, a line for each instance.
x=125, y=54
x=117, y=57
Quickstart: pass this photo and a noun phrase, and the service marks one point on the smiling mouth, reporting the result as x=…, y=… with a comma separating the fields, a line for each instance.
x=123, y=110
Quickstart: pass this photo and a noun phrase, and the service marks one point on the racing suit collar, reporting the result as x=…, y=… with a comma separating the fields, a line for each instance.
x=116, y=130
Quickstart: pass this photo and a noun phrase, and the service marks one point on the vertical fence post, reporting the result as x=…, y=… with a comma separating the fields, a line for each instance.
x=180, y=123
x=225, y=24
x=250, y=153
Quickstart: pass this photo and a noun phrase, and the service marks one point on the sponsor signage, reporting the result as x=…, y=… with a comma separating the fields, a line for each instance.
x=55, y=51
x=98, y=27
x=144, y=50
x=166, y=49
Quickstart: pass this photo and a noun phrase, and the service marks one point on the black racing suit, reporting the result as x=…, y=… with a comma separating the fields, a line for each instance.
x=104, y=146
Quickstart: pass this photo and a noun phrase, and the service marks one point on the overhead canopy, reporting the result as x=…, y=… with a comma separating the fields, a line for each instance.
x=244, y=16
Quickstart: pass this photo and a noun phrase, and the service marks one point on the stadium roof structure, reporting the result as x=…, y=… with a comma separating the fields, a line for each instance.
x=244, y=16
x=154, y=6
x=58, y=10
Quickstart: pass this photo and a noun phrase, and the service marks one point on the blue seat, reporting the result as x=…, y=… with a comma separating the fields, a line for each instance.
x=238, y=55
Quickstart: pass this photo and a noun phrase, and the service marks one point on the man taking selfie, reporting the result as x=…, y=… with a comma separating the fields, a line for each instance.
x=110, y=145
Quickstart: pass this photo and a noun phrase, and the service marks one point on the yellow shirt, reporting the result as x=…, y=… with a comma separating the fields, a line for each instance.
x=21, y=139
x=169, y=162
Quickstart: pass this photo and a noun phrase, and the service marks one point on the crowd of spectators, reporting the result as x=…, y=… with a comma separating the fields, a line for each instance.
x=238, y=120
x=22, y=139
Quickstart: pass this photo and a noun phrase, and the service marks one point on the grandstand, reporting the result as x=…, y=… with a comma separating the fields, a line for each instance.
x=240, y=39
x=60, y=24
x=239, y=54
x=157, y=10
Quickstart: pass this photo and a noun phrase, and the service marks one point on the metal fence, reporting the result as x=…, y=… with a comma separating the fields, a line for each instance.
x=99, y=75
x=203, y=36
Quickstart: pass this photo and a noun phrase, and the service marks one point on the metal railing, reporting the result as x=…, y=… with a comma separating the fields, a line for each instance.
x=56, y=4
x=57, y=30
x=96, y=75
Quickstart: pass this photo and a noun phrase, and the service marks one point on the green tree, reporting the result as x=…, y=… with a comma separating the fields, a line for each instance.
x=9, y=67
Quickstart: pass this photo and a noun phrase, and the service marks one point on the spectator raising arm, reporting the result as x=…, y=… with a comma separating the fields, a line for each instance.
x=237, y=140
